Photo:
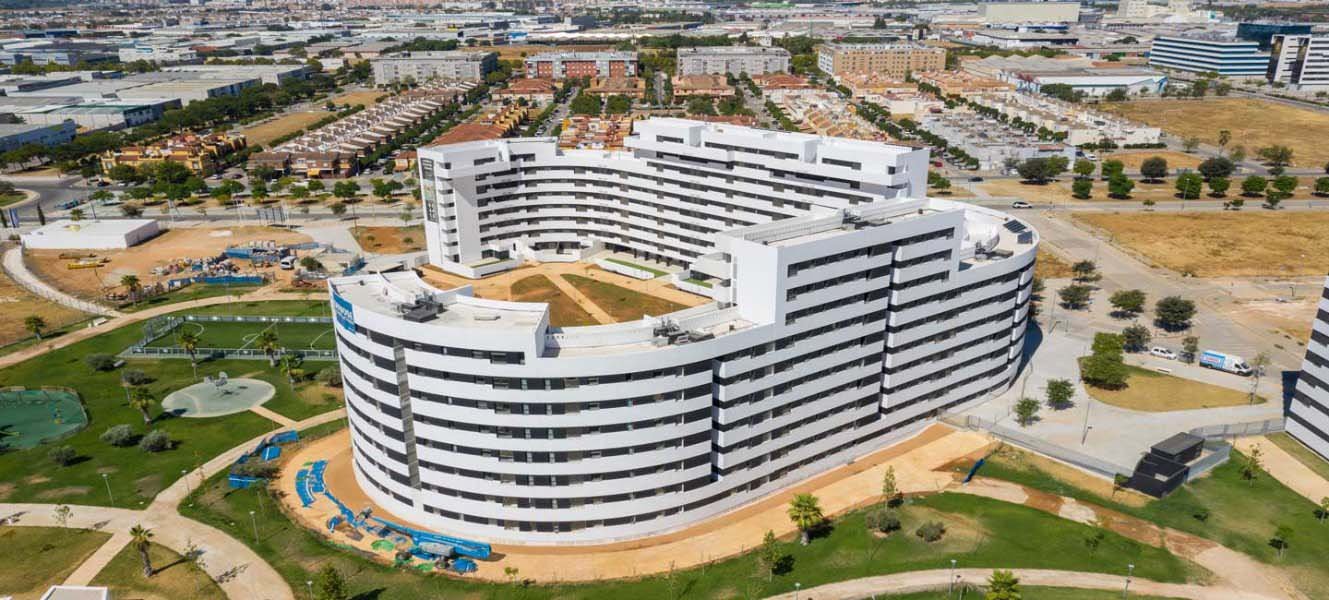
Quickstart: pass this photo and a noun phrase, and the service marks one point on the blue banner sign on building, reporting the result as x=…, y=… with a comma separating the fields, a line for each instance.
x=344, y=312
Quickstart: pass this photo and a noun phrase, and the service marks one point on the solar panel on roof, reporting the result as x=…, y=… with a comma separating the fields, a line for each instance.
x=1014, y=226
x=1026, y=237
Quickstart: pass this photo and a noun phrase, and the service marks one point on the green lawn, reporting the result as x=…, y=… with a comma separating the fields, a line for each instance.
x=11, y=197
x=1303, y=454
x=621, y=303
x=134, y=476
x=981, y=533
x=303, y=336
x=284, y=308
x=193, y=292
x=38, y=557
x=173, y=576
x=1243, y=514
x=1151, y=391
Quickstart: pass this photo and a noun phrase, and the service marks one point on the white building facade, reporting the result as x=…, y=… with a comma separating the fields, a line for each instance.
x=732, y=60
x=1209, y=54
x=846, y=313
x=1308, y=413
x=1300, y=61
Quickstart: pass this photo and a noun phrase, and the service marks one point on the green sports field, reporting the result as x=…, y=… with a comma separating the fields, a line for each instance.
x=303, y=336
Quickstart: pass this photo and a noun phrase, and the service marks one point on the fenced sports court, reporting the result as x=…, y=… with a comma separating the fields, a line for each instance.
x=237, y=336
x=29, y=418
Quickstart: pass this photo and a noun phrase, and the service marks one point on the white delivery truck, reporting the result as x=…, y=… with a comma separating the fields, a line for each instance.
x=1224, y=362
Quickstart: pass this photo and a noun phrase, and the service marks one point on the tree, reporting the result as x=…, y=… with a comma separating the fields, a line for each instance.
x=1322, y=186
x=1224, y=137
x=329, y=584
x=140, y=538
x=1218, y=186
x=1003, y=585
x=1189, y=185
x=1282, y=535
x=889, y=489
x=1085, y=168
x=1112, y=168
x=99, y=361
x=34, y=324
x=1135, y=338
x=1059, y=393
x=1042, y=170
x=119, y=436
x=141, y=399
x=1174, y=312
x=805, y=512
x=338, y=208
x=1026, y=411
x=132, y=286
x=1085, y=271
x=1250, y=469
x=1238, y=153
x=1190, y=347
x=1216, y=167
x=1324, y=509
x=1116, y=95
x=1128, y=302
x=188, y=342
x=1276, y=156
x=346, y=190
x=290, y=366
x=155, y=441
x=769, y=554
x=1082, y=188
x=1120, y=186
x=585, y=104
x=267, y=342
x=1074, y=296
x=329, y=376
x=1190, y=144
x=618, y=105
x=1094, y=538
x=1283, y=185
x=1254, y=185
x=1153, y=168
x=511, y=573
x=931, y=531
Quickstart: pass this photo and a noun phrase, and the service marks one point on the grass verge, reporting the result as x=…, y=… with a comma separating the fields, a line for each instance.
x=173, y=576
x=1151, y=391
x=38, y=557
x=1303, y=454
x=655, y=272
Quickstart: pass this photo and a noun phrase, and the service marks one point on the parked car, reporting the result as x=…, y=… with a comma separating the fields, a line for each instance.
x=975, y=179
x=1162, y=352
x=1021, y=204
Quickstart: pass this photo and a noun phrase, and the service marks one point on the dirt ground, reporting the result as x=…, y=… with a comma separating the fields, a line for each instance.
x=267, y=131
x=1292, y=318
x=1175, y=160
x=1051, y=266
x=1301, y=129
x=18, y=304
x=1224, y=244
x=390, y=240
x=139, y=260
x=916, y=461
x=368, y=98
x=1052, y=193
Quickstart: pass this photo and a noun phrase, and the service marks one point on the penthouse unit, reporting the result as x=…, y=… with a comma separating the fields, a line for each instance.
x=201, y=154
x=732, y=60
x=1308, y=413
x=846, y=314
x=1203, y=54
x=989, y=142
x=423, y=66
x=562, y=65
x=1300, y=61
x=16, y=135
x=334, y=150
x=892, y=60
x=1077, y=123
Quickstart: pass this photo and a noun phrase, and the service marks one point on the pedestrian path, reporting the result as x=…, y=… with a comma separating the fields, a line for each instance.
x=1286, y=468
x=94, y=564
x=585, y=303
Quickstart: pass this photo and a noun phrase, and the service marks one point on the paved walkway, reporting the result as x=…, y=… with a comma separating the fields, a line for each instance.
x=18, y=271
x=270, y=415
x=1287, y=469
x=923, y=581
x=240, y=572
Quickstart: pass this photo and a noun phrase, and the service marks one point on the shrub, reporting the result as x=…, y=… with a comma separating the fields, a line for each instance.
x=329, y=376
x=254, y=468
x=63, y=455
x=136, y=377
x=886, y=521
x=99, y=362
x=155, y=441
x=931, y=531
x=119, y=436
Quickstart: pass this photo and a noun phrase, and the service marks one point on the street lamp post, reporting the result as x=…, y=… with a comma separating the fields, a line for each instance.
x=254, y=520
x=184, y=475
x=950, y=581
x=309, y=584
x=797, y=586
x=106, y=478
x=1084, y=431
x=1130, y=570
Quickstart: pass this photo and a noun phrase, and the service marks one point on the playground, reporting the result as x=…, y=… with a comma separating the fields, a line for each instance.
x=218, y=397
x=29, y=418
x=245, y=334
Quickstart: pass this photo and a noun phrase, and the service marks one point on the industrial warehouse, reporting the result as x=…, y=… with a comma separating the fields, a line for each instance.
x=839, y=310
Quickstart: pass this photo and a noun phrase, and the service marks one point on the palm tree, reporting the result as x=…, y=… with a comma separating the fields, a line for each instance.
x=267, y=342
x=141, y=538
x=1003, y=585
x=35, y=324
x=140, y=398
x=290, y=363
x=189, y=343
x=805, y=512
x=133, y=285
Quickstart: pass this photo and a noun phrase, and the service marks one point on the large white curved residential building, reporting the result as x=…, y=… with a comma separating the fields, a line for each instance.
x=1308, y=413
x=846, y=311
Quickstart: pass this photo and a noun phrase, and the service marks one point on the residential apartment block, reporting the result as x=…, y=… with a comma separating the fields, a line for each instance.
x=1203, y=54
x=1300, y=61
x=1308, y=413
x=892, y=60
x=424, y=66
x=732, y=60
x=562, y=65
x=201, y=154
x=846, y=312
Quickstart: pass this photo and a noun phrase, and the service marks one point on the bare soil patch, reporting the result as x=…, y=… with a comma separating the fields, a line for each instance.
x=18, y=304
x=1050, y=266
x=390, y=240
x=265, y=132
x=1301, y=129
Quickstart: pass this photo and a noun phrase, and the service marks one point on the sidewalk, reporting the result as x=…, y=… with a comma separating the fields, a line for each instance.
x=1286, y=468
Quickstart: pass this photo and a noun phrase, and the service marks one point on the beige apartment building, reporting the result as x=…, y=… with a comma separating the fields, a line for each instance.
x=891, y=60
